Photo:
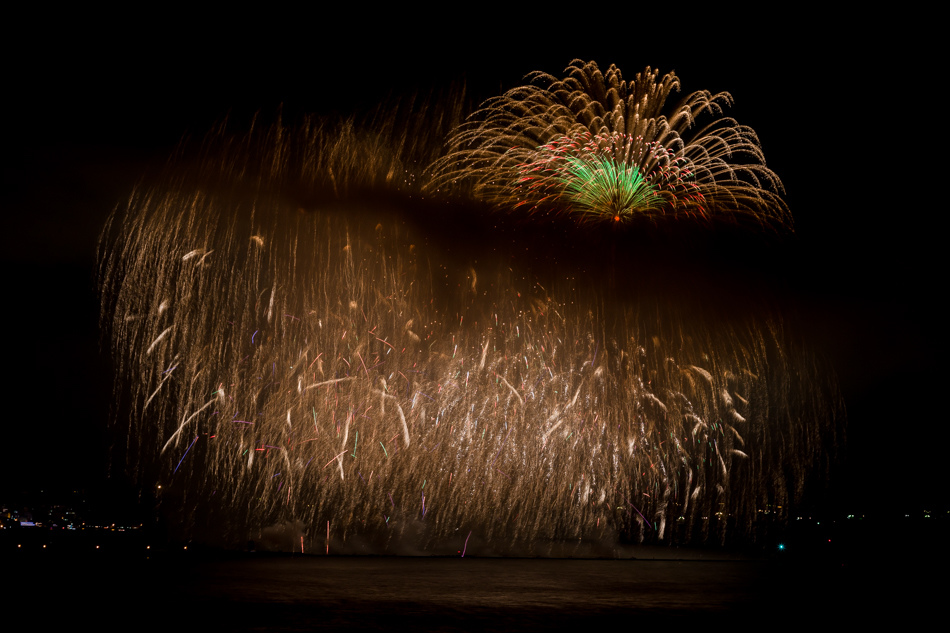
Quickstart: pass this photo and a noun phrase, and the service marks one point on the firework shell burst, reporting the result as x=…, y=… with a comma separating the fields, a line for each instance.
x=603, y=149
x=300, y=343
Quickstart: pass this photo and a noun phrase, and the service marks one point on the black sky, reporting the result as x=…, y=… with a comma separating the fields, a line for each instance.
x=838, y=106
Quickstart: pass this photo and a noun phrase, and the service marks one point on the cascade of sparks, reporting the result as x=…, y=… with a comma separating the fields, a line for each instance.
x=323, y=360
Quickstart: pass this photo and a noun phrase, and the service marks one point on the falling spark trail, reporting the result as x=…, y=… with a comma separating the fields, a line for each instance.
x=157, y=340
x=186, y=452
x=185, y=423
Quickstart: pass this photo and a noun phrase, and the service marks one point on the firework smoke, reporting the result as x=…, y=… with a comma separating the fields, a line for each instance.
x=296, y=346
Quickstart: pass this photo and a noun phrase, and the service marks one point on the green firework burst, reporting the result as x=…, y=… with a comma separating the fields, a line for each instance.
x=601, y=187
x=606, y=177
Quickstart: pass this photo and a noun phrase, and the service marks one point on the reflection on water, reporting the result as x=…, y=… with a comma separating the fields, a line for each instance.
x=186, y=591
x=487, y=594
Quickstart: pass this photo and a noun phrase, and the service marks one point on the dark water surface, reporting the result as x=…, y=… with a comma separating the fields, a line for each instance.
x=283, y=593
x=457, y=593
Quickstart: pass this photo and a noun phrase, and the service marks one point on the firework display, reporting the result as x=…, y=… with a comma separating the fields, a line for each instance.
x=605, y=149
x=295, y=350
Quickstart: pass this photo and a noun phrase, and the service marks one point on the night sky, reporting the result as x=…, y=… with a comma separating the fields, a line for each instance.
x=842, y=112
